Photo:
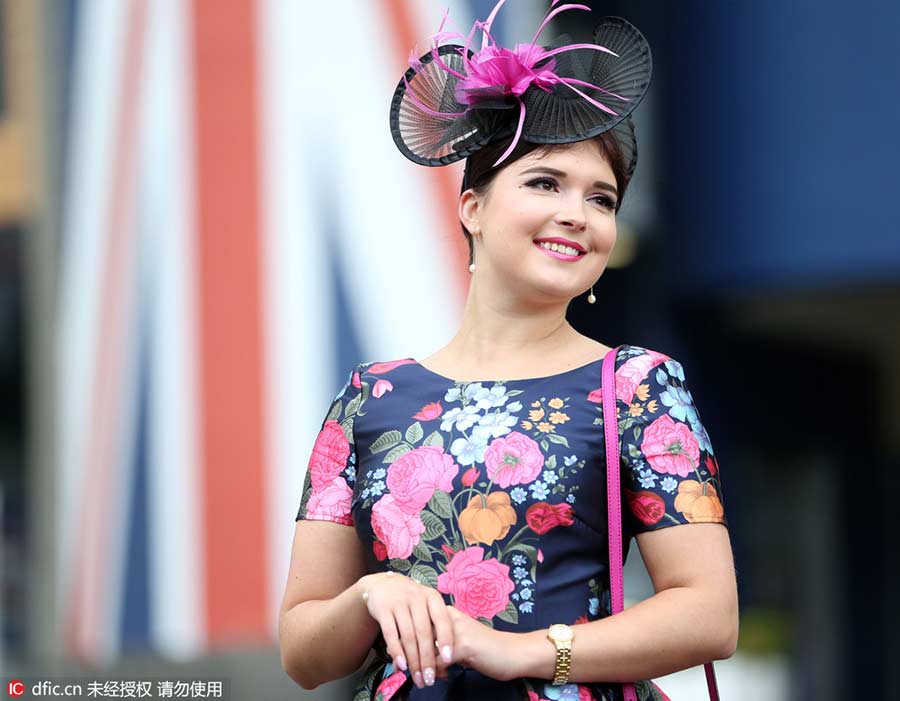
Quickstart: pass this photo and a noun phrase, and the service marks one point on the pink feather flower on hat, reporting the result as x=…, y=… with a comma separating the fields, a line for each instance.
x=495, y=72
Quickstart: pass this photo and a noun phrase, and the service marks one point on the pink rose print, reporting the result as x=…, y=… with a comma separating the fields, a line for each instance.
x=633, y=370
x=533, y=696
x=331, y=503
x=389, y=686
x=481, y=588
x=513, y=459
x=429, y=412
x=584, y=694
x=396, y=528
x=356, y=382
x=670, y=447
x=381, y=386
x=413, y=477
x=382, y=368
x=329, y=454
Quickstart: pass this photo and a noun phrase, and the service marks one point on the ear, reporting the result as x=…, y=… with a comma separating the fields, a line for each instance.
x=468, y=210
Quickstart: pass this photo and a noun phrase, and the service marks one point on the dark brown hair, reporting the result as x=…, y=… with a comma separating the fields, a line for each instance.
x=479, y=173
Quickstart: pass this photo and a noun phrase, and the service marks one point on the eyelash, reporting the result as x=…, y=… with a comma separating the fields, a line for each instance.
x=602, y=200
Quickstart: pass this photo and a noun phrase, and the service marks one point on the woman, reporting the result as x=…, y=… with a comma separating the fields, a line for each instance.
x=453, y=516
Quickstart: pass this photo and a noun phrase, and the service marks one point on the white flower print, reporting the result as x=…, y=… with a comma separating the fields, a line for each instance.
x=518, y=495
x=469, y=450
x=539, y=490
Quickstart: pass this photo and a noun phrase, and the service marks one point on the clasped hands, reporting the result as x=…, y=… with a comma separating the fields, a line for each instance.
x=425, y=636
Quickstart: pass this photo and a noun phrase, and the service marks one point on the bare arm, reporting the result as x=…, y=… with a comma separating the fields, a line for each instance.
x=692, y=619
x=325, y=630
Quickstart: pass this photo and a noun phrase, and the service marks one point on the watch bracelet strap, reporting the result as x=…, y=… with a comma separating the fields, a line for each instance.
x=563, y=664
x=614, y=509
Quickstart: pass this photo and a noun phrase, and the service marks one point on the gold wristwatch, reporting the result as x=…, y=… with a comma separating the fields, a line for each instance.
x=562, y=635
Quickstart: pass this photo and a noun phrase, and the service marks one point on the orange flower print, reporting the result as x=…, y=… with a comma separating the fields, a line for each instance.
x=699, y=502
x=635, y=410
x=559, y=417
x=527, y=425
x=487, y=520
x=545, y=427
x=642, y=392
x=536, y=414
x=555, y=403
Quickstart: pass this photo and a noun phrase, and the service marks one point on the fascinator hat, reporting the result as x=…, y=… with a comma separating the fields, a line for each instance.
x=454, y=100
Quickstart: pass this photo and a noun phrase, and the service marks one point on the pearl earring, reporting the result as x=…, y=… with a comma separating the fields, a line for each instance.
x=591, y=298
x=471, y=267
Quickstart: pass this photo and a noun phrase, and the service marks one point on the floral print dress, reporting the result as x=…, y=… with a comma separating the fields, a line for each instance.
x=494, y=493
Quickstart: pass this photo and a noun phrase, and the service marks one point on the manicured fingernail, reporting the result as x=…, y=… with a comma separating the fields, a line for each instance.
x=446, y=654
x=429, y=676
x=417, y=677
x=401, y=662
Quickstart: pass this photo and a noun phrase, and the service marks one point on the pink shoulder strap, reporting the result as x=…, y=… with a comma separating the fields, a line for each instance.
x=614, y=508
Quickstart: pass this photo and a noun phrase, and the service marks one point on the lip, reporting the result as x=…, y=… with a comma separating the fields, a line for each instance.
x=561, y=241
x=557, y=254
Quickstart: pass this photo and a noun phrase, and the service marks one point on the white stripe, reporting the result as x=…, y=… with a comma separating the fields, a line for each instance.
x=175, y=498
x=99, y=42
x=298, y=319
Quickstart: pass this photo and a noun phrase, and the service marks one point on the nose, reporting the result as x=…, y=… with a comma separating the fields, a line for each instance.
x=571, y=214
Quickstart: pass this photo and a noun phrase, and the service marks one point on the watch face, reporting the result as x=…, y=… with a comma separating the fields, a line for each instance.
x=561, y=632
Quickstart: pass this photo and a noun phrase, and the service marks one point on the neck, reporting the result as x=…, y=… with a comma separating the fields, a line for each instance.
x=497, y=324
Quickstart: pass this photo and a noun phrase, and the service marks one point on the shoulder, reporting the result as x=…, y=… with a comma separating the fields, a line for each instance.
x=378, y=368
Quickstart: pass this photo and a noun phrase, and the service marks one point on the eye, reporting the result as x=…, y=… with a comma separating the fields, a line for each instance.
x=604, y=201
x=541, y=182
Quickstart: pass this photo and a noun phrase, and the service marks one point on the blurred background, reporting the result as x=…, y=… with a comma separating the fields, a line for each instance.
x=204, y=223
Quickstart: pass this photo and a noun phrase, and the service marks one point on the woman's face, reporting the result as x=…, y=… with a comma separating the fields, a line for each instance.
x=567, y=196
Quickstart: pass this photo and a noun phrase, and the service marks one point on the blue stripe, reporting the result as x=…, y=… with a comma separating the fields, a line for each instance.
x=136, y=596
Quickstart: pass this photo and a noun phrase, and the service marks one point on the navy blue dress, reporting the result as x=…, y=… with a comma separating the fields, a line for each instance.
x=494, y=493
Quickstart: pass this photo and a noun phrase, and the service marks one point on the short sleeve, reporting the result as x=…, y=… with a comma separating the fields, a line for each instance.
x=331, y=471
x=670, y=473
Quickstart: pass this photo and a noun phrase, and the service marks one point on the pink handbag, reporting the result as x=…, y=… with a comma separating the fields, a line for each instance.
x=614, y=507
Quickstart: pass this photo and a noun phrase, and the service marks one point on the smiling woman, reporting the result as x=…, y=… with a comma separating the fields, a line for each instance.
x=452, y=526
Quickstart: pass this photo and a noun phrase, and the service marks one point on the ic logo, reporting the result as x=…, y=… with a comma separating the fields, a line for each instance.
x=15, y=688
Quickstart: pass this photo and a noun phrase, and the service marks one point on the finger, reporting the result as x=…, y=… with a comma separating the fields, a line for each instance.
x=418, y=607
x=443, y=627
x=410, y=644
x=392, y=640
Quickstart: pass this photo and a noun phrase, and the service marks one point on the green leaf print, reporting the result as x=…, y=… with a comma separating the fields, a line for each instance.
x=636, y=433
x=353, y=405
x=434, y=438
x=414, y=433
x=434, y=527
x=399, y=565
x=347, y=425
x=561, y=440
x=386, y=440
x=422, y=552
x=335, y=411
x=441, y=505
x=426, y=575
x=396, y=452
x=551, y=462
x=510, y=615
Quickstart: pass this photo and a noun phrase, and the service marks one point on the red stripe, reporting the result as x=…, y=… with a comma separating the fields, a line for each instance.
x=89, y=595
x=443, y=181
x=230, y=320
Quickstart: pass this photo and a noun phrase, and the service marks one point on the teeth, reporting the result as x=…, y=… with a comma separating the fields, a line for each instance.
x=568, y=250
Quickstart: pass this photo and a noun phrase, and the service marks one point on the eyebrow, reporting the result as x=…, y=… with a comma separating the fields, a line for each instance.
x=599, y=184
